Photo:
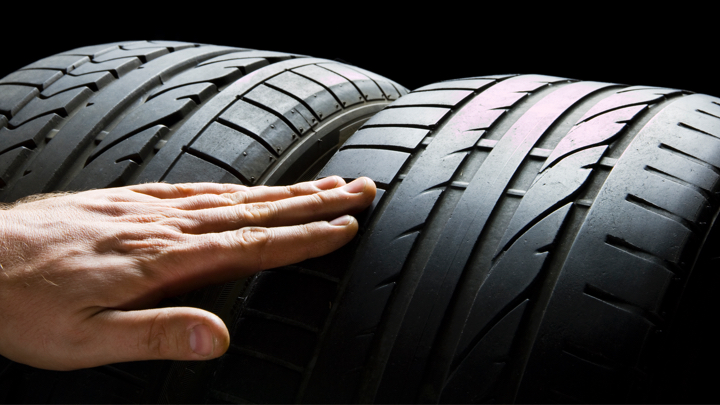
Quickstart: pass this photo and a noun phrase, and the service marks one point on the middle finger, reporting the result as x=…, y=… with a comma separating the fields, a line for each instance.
x=324, y=205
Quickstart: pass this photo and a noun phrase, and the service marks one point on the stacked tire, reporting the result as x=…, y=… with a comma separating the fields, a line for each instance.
x=534, y=238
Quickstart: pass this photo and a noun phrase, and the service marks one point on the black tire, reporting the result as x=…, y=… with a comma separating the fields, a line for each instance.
x=124, y=113
x=530, y=242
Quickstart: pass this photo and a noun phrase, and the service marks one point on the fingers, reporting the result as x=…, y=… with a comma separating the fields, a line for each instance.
x=177, y=333
x=220, y=257
x=256, y=194
x=164, y=190
x=324, y=205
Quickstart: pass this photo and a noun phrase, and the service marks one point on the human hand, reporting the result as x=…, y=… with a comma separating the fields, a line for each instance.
x=79, y=271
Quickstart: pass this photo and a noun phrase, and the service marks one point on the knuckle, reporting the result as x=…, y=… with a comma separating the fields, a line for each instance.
x=258, y=213
x=252, y=236
x=159, y=342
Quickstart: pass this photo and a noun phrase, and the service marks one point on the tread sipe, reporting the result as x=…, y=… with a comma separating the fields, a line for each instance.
x=530, y=242
x=133, y=112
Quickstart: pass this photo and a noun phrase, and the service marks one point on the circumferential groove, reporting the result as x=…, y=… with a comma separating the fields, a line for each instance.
x=376, y=146
x=400, y=126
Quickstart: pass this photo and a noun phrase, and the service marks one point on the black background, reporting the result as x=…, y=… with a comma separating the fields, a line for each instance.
x=601, y=42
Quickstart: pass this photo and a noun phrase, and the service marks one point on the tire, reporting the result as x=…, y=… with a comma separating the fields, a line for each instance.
x=133, y=112
x=531, y=242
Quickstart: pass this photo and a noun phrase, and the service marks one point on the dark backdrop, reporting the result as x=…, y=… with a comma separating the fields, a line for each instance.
x=669, y=48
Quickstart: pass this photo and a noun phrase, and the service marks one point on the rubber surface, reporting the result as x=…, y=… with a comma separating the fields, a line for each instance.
x=530, y=242
x=133, y=112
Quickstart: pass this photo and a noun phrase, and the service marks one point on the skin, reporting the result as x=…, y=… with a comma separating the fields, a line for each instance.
x=81, y=273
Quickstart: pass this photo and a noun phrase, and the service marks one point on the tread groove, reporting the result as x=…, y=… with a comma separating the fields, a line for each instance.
x=610, y=299
x=275, y=113
x=212, y=160
x=262, y=356
x=689, y=157
x=287, y=321
x=123, y=375
x=298, y=99
x=670, y=177
x=647, y=205
x=631, y=249
x=252, y=135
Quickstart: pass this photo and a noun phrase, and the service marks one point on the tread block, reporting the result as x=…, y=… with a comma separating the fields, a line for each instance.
x=608, y=323
x=246, y=157
x=595, y=131
x=250, y=54
x=93, y=50
x=144, y=54
x=642, y=283
x=438, y=98
x=480, y=369
x=40, y=78
x=10, y=162
x=411, y=116
x=551, y=189
x=338, y=85
x=352, y=163
x=192, y=169
x=3, y=121
x=475, y=84
x=264, y=126
x=392, y=90
x=294, y=112
x=93, y=81
x=174, y=45
x=703, y=122
x=407, y=138
x=256, y=380
x=309, y=305
x=648, y=231
x=628, y=96
x=66, y=63
x=685, y=169
x=696, y=144
x=118, y=67
x=114, y=167
x=287, y=342
x=673, y=197
x=85, y=125
x=15, y=97
x=368, y=88
x=511, y=275
x=166, y=109
x=220, y=74
x=312, y=94
x=62, y=104
x=30, y=134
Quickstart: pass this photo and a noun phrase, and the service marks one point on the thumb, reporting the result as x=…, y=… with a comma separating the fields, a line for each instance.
x=178, y=333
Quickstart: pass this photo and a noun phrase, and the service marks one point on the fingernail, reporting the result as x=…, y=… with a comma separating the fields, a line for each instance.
x=327, y=183
x=201, y=340
x=356, y=186
x=342, y=221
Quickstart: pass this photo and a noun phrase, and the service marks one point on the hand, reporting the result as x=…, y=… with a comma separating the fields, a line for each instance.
x=79, y=271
